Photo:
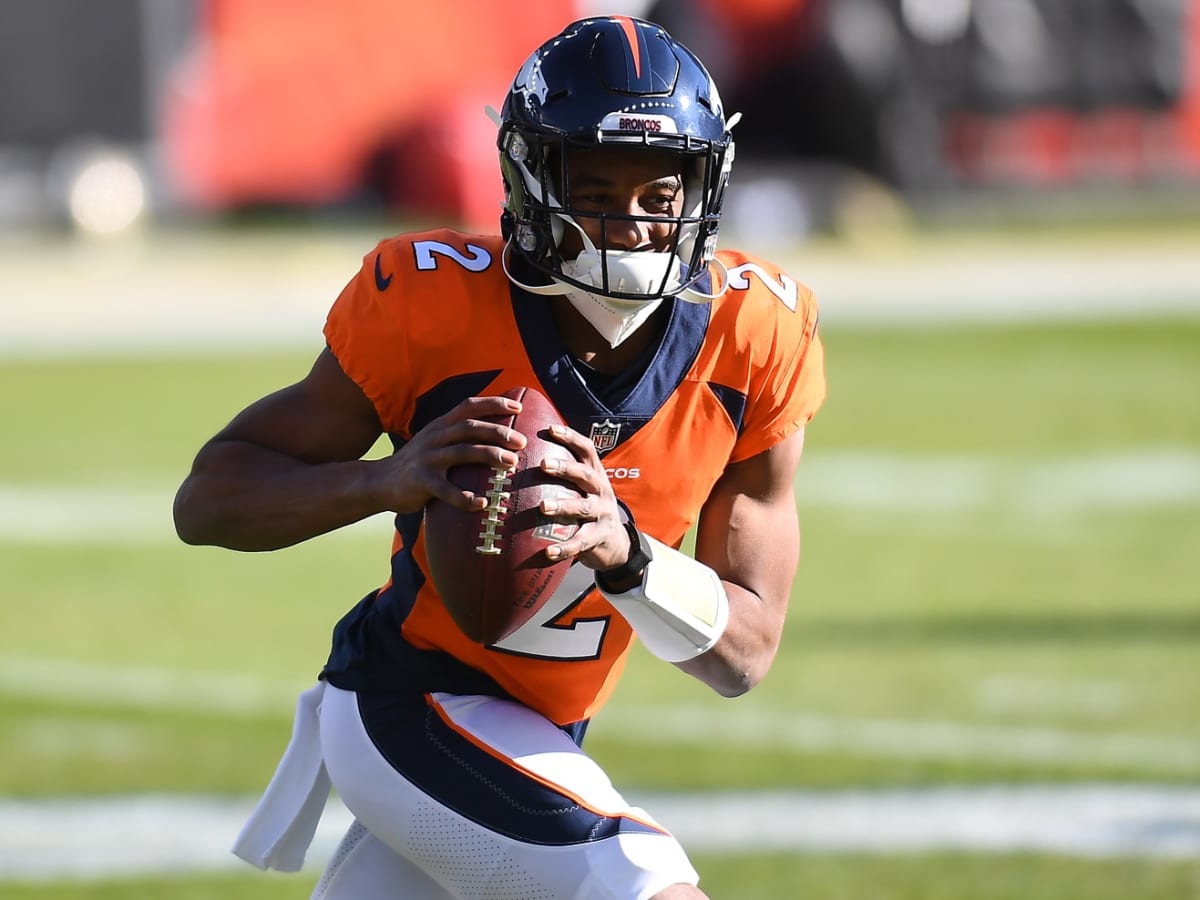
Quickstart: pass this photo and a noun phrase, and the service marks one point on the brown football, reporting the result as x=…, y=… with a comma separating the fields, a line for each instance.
x=490, y=567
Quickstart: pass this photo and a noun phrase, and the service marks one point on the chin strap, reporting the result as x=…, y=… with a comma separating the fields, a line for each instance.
x=692, y=295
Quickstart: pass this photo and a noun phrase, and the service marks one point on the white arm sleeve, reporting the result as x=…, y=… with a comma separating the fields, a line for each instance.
x=679, y=610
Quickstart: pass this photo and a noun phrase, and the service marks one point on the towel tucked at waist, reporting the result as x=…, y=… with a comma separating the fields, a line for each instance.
x=281, y=828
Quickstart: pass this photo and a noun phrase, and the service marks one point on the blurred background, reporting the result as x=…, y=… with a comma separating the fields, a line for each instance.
x=990, y=678
x=129, y=109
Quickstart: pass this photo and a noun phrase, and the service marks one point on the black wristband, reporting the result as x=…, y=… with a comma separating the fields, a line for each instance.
x=628, y=575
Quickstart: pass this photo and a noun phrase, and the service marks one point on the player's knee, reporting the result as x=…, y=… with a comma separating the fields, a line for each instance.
x=639, y=864
x=363, y=866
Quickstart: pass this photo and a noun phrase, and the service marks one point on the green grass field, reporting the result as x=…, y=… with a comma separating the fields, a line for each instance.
x=1000, y=537
x=767, y=877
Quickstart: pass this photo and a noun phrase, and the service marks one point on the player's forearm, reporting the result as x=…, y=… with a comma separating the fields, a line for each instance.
x=749, y=533
x=743, y=655
x=246, y=497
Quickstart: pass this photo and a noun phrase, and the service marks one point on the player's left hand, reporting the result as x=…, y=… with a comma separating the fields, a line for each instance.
x=600, y=541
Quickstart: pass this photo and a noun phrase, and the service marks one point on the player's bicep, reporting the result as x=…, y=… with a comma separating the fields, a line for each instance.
x=322, y=418
x=748, y=531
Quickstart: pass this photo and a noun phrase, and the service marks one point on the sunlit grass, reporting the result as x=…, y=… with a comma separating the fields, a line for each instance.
x=988, y=615
x=766, y=877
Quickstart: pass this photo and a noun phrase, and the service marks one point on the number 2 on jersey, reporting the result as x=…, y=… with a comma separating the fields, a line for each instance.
x=542, y=636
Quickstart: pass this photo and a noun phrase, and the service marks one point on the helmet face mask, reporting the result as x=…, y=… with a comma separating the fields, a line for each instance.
x=612, y=84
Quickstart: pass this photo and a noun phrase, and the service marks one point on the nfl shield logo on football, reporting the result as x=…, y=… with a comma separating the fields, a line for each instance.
x=605, y=434
x=548, y=529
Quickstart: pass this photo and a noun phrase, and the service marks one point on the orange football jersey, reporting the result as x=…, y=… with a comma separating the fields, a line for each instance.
x=431, y=319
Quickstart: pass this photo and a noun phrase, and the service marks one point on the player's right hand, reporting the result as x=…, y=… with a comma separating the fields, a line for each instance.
x=417, y=472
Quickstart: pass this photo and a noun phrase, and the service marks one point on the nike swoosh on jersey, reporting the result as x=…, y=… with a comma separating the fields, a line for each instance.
x=381, y=282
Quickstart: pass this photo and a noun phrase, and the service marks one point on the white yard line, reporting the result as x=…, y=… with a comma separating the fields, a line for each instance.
x=146, y=687
x=56, y=514
x=1155, y=478
x=149, y=688
x=891, y=738
x=1145, y=479
x=211, y=292
x=173, y=835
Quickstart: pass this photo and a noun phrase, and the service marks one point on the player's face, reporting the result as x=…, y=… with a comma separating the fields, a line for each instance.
x=623, y=183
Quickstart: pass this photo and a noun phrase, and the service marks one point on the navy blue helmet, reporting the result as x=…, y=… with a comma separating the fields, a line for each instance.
x=612, y=82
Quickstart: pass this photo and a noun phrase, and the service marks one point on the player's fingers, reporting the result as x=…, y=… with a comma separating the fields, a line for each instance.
x=474, y=431
x=474, y=419
x=573, y=508
x=478, y=407
x=565, y=550
x=476, y=455
x=586, y=541
x=460, y=499
x=581, y=446
x=445, y=490
x=588, y=478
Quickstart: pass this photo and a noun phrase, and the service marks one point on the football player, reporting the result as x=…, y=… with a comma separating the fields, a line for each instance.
x=687, y=377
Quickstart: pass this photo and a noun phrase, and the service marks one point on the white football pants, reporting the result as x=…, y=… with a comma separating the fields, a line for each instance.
x=478, y=797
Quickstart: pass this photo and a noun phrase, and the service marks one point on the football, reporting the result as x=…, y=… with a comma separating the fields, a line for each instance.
x=490, y=566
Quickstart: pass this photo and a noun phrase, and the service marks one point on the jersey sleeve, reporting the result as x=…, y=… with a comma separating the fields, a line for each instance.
x=368, y=336
x=789, y=385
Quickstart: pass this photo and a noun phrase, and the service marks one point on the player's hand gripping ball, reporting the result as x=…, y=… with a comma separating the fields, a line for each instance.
x=490, y=566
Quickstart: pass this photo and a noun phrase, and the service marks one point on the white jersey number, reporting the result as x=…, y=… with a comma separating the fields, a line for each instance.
x=428, y=251
x=784, y=289
x=541, y=636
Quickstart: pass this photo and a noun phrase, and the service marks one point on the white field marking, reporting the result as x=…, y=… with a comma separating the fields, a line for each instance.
x=904, y=738
x=148, y=688
x=209, y=293
x=49, y=839
x=1149, y=479
x=1022, y=694
x=1164, y=478
x=54, y=514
